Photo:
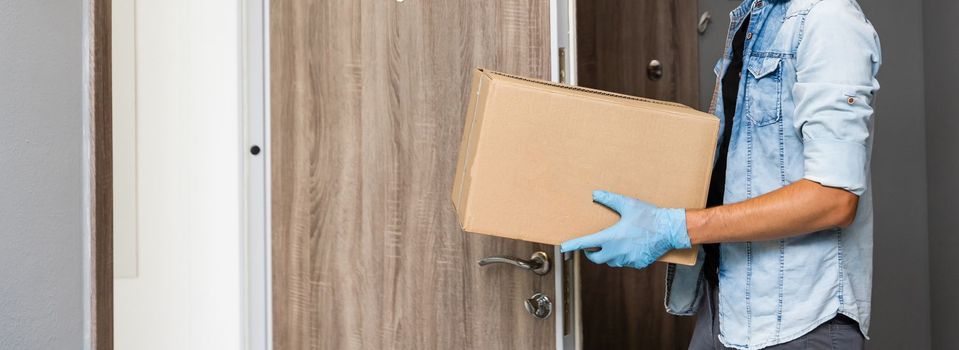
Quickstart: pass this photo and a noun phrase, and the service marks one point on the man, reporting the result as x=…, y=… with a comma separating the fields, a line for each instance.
x=787, y=255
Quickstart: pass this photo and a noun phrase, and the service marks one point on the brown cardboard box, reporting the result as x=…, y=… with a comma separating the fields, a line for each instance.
x=533, y=152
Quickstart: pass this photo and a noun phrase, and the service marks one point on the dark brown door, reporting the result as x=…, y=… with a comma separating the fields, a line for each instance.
x=617, y=39
x=368, y=100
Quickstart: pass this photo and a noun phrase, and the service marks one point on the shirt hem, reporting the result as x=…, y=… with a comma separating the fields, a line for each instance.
x=793, y=336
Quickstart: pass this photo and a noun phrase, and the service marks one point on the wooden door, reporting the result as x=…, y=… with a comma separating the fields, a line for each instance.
x=368, y=103
x=623, y=308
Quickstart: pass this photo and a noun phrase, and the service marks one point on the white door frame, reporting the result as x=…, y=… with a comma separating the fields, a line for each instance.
x=569, y=330
x=255, y=103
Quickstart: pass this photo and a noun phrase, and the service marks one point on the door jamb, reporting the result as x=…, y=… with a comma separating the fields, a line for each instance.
x=97, y=165
x=255, y=191
x=563, y=63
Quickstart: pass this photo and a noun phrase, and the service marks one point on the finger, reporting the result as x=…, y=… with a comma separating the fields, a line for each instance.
x=615, y=263
x=611, y=200
x=586, y=242
x=601, y=257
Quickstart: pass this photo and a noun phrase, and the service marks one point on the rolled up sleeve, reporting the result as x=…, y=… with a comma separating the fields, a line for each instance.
x=836, y=65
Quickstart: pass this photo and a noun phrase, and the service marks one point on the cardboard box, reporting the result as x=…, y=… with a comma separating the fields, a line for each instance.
x=533, y=152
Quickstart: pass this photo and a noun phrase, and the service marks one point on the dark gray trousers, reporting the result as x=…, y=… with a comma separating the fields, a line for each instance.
x=839, y=333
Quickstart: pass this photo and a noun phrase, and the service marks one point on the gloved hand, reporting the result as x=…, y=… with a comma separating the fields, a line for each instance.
x=643, y=234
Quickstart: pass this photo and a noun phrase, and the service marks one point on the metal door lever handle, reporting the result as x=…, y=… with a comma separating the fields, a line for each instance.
x=538, y=263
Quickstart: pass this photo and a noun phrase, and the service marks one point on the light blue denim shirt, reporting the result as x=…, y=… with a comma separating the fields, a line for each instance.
x=804, y=111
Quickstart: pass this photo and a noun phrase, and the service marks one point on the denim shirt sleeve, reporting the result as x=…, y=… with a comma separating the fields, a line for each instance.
x=836, y=63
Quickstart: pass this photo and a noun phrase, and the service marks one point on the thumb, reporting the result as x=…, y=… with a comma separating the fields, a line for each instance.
x=611, y=200
x=592, y=241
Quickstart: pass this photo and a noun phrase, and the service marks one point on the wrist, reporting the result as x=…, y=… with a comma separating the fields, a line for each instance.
x=695, y=219
x=678, y=228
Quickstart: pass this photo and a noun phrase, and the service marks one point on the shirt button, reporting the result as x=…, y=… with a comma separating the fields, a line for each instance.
x=759, y=4
x=749, y=36
x=851, y=100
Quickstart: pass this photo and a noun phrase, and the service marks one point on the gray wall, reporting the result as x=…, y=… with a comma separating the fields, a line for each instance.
x=41, y=284
x=942, y=144
x=901, y=280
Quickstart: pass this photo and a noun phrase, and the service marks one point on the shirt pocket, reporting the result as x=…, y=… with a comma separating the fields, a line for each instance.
x=764, y=90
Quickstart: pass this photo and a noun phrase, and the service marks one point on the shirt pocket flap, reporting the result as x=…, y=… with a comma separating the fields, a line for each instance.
x=763, y=66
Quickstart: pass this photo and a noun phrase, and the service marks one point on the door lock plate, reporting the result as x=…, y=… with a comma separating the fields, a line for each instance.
x=539, y=305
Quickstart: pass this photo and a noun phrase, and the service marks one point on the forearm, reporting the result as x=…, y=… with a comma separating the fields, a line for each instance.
x=799, y=208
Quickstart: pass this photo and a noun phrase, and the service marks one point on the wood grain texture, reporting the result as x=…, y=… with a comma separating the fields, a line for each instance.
x=368, y=104
x=623, y=308
x=618, y=39
x=101, y=177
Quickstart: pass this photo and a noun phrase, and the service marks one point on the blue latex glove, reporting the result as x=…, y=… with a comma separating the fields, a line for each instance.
x=643, y=234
